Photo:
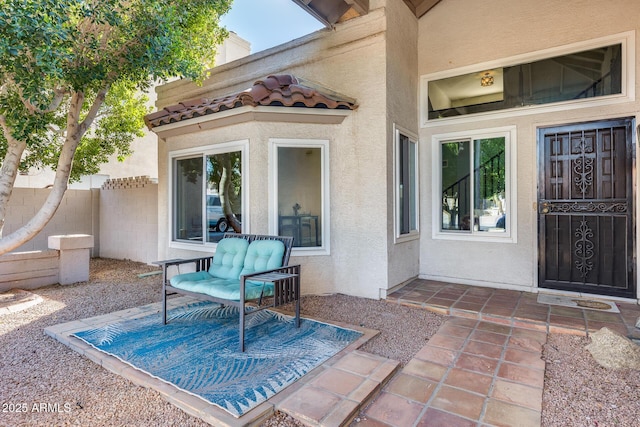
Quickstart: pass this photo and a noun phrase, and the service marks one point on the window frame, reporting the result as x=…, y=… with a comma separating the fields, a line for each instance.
x=510, y=233
x=203, y=151
x=626, y=39
x=413, y=234
x=323, y=145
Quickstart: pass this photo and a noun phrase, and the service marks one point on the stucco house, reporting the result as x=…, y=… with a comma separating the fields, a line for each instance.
x=483, y=143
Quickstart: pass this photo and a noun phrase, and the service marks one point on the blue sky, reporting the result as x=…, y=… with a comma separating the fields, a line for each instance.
x=268, y=23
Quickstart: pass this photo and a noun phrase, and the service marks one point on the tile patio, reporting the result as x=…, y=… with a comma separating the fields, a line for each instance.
x=483, y=367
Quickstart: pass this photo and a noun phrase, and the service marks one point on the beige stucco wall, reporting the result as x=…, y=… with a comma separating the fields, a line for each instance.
x=465, y=32
x=349, y=60
x=402, y=98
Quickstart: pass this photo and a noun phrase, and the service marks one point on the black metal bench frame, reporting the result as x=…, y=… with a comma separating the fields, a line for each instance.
x=286, y=283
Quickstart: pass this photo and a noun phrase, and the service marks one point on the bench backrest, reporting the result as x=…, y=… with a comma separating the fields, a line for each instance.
x=286, y=240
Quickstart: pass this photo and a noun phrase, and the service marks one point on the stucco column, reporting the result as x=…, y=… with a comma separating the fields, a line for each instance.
x=74, y=256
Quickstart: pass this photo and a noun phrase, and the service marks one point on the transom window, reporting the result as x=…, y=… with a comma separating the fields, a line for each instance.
x=474, y=185
x=207, y=195
x=587, y=74
x=594, y=72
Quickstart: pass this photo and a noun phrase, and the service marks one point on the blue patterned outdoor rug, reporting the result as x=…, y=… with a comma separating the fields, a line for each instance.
x=197, y=351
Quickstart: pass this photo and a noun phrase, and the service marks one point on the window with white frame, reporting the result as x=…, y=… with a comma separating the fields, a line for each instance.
x=406, y=184
x=473, y=189
x=207, y=194
x=593, y=72
x=301, y=192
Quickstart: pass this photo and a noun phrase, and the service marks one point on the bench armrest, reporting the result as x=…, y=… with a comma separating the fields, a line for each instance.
x=285, y=269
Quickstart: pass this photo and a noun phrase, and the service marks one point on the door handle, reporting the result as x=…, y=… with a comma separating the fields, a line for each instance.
x=544, y=208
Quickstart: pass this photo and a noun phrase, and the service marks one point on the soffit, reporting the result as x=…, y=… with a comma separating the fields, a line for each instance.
x=284, y=90
x=330, y=12
x=420, y=7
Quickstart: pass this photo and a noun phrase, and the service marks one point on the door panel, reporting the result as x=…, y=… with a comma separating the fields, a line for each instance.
x=586, y=224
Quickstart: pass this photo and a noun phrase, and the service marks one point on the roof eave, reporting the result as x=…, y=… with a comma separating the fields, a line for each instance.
x=249, y=113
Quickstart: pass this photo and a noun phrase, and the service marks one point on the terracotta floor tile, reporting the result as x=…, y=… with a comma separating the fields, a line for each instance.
x=504, y=414
x=479, y=364
x=467, y=323
x=519, y=356
x=337, y=381
x=423, y=369
x=449, y=294
x=498, y=319
x=521, y=374
x=454, y=331
x=492, y=327
x=527, y=339
x=459, y=402
x=601, y=316
x=469, y=306
x=518, y=394
x=567, y=322
x=478, y=299
x=394, y=410
x=540, y=315
x=566, y=311
x=441, y=356
x=411, y=387
x=479, y=291
x=470, y=381
x=371, y=422
x=311, y=402
x=442, y=302
x=485, y=349
x=498, y=310
x=450, y=343
x=490, y=337
x=435, y=418
x=358, y=362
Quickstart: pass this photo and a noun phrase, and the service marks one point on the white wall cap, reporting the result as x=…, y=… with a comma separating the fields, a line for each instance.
x=71, y=241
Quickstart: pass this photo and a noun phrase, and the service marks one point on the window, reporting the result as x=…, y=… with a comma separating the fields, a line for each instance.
x=406, y=184
x=597, y=71
x=301, y=197
x=473, y=191
x=207, y=195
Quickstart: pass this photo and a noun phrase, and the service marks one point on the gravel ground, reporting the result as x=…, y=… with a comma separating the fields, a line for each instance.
x=579, y=392
x=45, y=383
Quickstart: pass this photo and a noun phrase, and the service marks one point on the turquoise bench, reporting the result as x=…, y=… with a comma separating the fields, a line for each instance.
x=247, y=271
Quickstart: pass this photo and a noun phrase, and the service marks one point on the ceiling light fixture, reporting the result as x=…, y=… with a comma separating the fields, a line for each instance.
x=486, y=80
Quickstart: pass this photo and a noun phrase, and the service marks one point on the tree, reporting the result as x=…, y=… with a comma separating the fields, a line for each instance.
x=69, y=74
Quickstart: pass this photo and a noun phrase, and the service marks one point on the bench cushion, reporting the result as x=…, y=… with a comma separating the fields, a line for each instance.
x=228, y=260
x=189, y=277
x=263, y=255
x=228, y=289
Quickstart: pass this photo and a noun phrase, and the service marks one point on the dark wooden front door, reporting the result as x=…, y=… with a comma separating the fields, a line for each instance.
x=586, y=221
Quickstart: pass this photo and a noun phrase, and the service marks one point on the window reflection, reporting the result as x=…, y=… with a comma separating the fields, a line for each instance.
x=587, y=74
x=484, y=189
x=300, y=195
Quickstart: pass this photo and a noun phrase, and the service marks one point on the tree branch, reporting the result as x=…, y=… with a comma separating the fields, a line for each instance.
x=93, y=112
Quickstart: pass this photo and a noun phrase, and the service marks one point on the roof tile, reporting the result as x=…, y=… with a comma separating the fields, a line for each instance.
x=283, y=90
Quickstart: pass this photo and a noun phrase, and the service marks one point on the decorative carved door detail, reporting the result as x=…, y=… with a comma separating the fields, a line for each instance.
x=586, y=217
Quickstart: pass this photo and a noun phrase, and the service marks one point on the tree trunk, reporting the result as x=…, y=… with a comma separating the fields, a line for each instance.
x=75, y=130
x=8, y=173
x=225, y=190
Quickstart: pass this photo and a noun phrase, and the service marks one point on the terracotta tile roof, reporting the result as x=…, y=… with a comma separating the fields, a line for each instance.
x=283, y=90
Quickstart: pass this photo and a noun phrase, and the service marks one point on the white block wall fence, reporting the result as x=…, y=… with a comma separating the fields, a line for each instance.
x=119, y=220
